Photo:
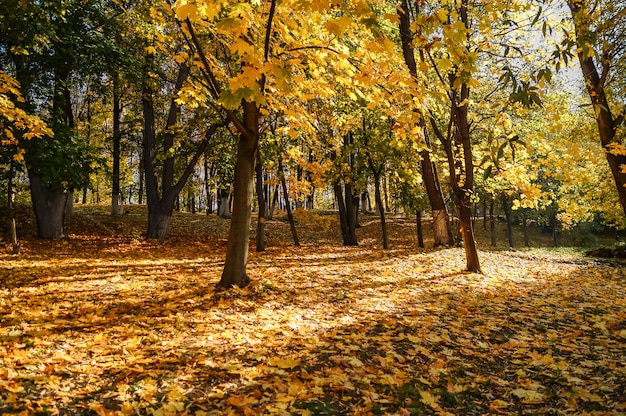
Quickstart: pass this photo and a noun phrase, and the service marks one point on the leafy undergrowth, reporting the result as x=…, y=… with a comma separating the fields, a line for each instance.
x=114, y=325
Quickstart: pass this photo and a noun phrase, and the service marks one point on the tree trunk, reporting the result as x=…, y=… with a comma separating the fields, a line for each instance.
x=430, y=176
x=191, y=200
x=356, y=201
x=385, y=194
x=556, y=235
x=207, y=186
x=11, y=208
x=272, y=206
x=420, y=229
x=223, y=204
x=49, y=207
x=492, y=223
x=351, y=215
x=162, y=204
x=116, y=210
x=525, y=229
x=379, y=201
x=467, y=232
x=234, y=273
x=363, y=203
x=458, y=148
x=260, y=225
x=141, y=183
x=348, y=231
x=484, y=201
x=292, y=223
x=157, y=224
x=595, y=83
x=506, y=206
x=69, y=203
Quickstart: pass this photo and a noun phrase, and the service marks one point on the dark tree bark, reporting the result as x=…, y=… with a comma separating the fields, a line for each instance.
x=292, y=222
x=420, y=228
x=377, y=171
x=484, y=201
x=116, y=202
x=458, y=148
x=141, y=190
x=49, y=207
x=234, y=273
x=207, y=186
x=525, y=229
x=492, y=223
x=508, y=216
x=160, y=207
x=386, y=195
x=430, y=176
x=272, y=206
x=346, y=216
x=48, y=202
x=191, y=201
x=260, y=224
x=554, y=225
x=11, y=208
x=595, y=81
x=379, y=200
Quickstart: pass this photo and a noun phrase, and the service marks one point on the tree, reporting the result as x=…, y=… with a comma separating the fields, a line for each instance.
x=16, y=126
x=430, y=175
x=599, y=31
x=43, y=43
x=265, y=50
x=161, y=205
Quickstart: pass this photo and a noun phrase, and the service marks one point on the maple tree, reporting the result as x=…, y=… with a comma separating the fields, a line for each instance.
x=429, y=172
x=598, y=28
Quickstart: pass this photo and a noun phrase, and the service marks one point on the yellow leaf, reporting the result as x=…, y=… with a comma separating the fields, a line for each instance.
x=284, y=363
x=498, y=404
x=186, y=11
x=442, y=15
x=241, y=400
x=362, y=8
x=616, y=149
x=392, y=17
x=181, y=57
x=528, y=396
x=338, y=26
x=429, y=399
x=444, y=64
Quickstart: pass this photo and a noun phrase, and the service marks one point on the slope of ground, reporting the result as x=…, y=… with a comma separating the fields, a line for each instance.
x=106, y=323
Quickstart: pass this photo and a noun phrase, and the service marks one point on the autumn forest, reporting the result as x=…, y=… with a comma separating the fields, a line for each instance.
x=313, y=207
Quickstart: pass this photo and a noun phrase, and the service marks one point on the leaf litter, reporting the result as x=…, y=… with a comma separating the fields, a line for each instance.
x=115, y=325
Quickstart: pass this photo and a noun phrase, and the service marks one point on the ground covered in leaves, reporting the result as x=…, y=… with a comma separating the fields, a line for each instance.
x=105, y=323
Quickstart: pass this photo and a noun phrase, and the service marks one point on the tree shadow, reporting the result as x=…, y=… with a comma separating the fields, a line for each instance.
x=337, y=331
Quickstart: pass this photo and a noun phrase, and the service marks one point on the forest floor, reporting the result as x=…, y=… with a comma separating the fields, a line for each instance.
x=107, y=323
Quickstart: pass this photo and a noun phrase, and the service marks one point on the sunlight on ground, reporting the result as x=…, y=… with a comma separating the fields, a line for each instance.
x=339, y=330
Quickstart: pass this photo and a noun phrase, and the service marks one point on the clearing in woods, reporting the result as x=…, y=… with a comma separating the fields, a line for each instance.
x=107, y=323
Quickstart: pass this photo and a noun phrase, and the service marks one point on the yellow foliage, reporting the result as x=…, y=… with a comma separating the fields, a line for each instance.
x=313, y=220
x=617, y=149
x=15, y=123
